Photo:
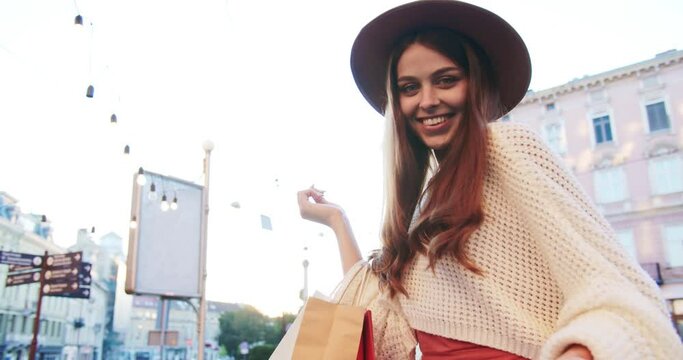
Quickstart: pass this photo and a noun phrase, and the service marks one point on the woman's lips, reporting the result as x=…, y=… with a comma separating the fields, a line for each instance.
x=435, y=124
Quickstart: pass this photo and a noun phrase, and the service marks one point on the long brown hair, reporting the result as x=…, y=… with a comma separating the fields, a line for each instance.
x=453, y=208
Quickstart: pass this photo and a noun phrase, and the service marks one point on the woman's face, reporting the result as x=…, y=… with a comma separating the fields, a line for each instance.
x=432, y=92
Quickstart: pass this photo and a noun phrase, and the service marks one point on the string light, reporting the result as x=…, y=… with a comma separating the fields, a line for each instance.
x=174, y=204
x=90, y=92
x=134, y=222
x=141, y=179
x=164, y=203
x=126, y=150
x=152, y=192
x=78, y=20
x=114, y=119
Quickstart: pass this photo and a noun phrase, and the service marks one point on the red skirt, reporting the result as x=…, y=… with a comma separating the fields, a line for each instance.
x=434, y=347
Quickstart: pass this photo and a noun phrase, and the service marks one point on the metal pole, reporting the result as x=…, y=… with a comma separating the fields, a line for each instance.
x=162, y=335
x=78, y=333
x=36, y=321
x=208, y=146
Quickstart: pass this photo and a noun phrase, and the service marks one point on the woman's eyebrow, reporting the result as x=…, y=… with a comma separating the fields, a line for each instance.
x=406, y=78
x=446, y=69
x=435, y=74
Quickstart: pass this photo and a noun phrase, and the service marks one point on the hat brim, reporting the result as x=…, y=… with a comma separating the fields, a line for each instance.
x=504, y=47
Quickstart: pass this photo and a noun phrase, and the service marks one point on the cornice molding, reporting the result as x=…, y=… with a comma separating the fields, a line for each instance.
x=661, y=61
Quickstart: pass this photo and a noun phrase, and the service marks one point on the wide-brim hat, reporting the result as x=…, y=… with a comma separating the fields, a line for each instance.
x=504, y=47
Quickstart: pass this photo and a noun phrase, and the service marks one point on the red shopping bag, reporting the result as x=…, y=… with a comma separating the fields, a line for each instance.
x=366, y=348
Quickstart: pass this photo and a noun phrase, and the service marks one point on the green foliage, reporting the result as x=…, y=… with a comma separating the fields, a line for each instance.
x=248, y=324
x=261, y=352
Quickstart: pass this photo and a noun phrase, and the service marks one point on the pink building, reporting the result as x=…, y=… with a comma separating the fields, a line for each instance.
x=621, y=133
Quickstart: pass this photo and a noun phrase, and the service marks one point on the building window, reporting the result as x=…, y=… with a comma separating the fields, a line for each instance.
x=602, y=129
x=554, y=137
x=657, y=118
x=673, y=243
x=626, y=239
x=610, y=185
x=666, y=175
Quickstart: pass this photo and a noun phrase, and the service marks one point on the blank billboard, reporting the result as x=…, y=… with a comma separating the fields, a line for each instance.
x=165, y=247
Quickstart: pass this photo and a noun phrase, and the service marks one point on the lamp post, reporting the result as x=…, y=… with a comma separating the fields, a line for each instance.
x=208, y=147
x=305, y=292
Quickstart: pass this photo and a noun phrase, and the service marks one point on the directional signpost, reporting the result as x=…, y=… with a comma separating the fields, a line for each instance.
x=72, y=282
x=19, y=259
x=23, y=268
x=22, y=278
x=64, y=275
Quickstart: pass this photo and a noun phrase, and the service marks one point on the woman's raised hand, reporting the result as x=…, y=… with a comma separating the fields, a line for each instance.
x=319, y=209
x=324, y=212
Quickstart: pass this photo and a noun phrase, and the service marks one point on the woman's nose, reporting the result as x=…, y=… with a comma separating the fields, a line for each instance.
x=429, y=98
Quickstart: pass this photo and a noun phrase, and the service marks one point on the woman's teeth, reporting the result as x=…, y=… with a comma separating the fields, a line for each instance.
x=434, y=120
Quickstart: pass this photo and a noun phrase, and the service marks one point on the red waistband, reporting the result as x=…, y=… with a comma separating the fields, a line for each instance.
x=434, y=347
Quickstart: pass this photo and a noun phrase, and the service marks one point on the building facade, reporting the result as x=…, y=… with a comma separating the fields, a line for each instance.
x=620, y=132
x=28, y=233
x=181, y=318
x=70, y=328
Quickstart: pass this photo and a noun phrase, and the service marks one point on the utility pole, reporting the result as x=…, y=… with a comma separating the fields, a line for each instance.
x=208, y=146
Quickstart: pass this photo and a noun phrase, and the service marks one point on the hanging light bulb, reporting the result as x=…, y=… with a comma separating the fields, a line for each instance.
x=92, y=231
x=78, y=20
x=141, y=179
x=90, y=92
x=126, y=150
x=114, y=119
x=152, y=192
x=134, y=223
x=43, y=218
x=174, y=204
x=164, y=203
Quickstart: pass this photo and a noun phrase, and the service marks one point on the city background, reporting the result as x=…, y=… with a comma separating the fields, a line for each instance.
x=607, y=97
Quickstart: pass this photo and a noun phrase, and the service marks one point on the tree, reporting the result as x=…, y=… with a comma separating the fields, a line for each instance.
x=248, y=324
x=261, y=352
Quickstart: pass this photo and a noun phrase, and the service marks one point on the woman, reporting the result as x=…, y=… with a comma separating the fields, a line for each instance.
x=490, y=249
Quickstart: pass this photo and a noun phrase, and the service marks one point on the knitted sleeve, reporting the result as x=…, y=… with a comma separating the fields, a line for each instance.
x=610, y=305
x=394, y=338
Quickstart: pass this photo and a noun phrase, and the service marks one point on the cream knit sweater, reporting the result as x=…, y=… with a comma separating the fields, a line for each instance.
x=554, y=275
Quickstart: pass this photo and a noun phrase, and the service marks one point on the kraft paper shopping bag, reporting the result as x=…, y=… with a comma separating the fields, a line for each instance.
x=329, y=331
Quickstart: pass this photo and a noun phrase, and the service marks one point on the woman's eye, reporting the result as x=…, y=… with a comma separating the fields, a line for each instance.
x=408, y=89
x=447, y=80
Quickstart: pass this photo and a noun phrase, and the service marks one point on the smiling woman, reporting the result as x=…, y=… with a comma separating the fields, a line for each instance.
x=489, y=247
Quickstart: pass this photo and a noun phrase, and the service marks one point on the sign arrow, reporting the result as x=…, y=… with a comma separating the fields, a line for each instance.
x=81, y=293
x=22, y=278
x=64, y=260
x=59, y=275
x=62, y=287
x=20, y=259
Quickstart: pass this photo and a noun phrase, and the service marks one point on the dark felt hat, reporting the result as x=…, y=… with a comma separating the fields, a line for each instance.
x=504, y=47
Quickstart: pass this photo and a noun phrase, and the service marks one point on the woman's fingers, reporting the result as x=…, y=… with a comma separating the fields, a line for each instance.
x=319, y=210
x=312, y=193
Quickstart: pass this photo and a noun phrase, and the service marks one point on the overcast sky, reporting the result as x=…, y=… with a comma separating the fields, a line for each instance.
x=269, y=83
